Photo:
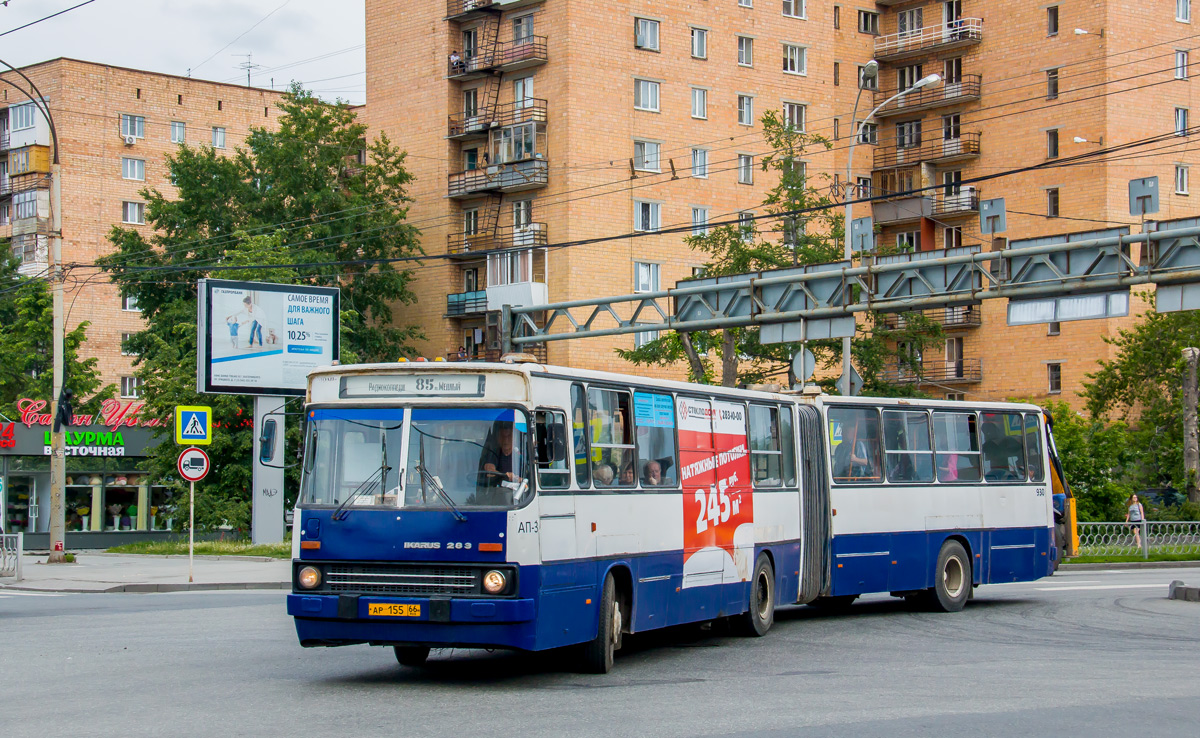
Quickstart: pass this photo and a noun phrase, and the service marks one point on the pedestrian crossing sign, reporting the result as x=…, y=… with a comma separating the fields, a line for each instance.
x=193, y=425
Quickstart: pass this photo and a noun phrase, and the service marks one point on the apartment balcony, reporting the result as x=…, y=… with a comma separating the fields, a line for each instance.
x=937, y=151
x=901, y=210
x=4, y=141
x=959, y=204
x=963, y=371
x=24, y=183
x=461, y=10
x=518, y=294
x=538, y=350
x=965, y=316
x=942, y=95
x=505, y=56
x=478, y=123
x=468, y=245
x=462, y=304
x=942, y=37
x=517, y=176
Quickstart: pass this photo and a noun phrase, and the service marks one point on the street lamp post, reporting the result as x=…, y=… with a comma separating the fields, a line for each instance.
x=869, y=71
x=58, y=461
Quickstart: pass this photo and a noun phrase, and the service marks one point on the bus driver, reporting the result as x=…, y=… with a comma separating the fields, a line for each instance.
x=498, y=457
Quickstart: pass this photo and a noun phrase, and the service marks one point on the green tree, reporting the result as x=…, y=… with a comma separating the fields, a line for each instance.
x=314, y=193
x=1096, y=458
x=807, y=229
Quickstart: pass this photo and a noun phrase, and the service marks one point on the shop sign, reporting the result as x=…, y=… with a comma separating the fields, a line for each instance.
x=114, y=415
x=88, y=440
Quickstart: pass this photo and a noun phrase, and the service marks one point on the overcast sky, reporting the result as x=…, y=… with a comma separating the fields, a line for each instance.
x=318, y=42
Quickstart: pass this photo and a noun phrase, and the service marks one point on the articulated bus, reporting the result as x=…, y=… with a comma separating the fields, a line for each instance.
x=522, y=506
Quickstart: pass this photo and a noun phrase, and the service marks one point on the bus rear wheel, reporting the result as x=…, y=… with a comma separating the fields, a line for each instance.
x=598, y=653
x=411, y=655
x=760, y=615
x=952, y=578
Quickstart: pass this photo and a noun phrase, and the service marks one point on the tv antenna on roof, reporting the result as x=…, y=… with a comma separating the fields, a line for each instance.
x=248, y=65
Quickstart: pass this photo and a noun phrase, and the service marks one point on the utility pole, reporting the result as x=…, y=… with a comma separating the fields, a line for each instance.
x=1191, y=443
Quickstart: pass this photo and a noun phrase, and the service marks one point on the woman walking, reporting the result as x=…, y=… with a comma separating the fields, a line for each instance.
x=1134, y=516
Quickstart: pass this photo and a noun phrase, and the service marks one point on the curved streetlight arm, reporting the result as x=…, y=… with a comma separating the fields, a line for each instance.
x=39, y=101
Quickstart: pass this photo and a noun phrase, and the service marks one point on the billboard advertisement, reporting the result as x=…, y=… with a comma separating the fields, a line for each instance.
x=258, y=338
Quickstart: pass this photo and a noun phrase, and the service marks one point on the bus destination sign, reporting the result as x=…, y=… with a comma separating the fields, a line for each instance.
x=412, y=385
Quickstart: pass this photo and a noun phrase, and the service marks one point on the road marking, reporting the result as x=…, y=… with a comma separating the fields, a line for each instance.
x=19, y=593
x=1101, y=586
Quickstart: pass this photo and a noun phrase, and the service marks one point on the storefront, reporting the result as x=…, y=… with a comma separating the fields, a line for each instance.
x=108, y=500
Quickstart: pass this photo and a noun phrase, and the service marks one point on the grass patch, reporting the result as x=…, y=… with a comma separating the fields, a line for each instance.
x=207, y=548
x=1123, y=558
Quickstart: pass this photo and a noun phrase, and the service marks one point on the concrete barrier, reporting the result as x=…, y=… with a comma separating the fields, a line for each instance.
x=1179, y=591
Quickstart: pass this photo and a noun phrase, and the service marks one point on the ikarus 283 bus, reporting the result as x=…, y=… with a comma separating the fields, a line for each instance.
x=524, y=506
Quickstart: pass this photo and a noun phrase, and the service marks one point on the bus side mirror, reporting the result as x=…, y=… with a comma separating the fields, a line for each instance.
x=266, y=442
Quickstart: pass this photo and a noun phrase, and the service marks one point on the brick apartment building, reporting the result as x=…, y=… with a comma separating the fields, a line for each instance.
x=538, y=122
x=115, y=127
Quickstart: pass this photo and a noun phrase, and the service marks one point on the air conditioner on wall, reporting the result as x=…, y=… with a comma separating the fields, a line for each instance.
x=130, y=140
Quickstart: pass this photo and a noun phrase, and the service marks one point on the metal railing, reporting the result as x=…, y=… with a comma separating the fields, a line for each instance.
x=910, y=43
x=466, y=303
x=455, y=8
x=514, y=176
x=965, y=316
x=1144, y=538
x=4, y=140
x=967, y=88
x=515, y=54
x=481, y=120
x=963, y=202
x=936, y=372
x=966, y=145
x=11, y=546
x=529, y=236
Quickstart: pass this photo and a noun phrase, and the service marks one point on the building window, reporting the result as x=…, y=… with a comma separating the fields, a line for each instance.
x=864, y=185
x=699, y=43
x=645, y=34
x=908, y=134
x=956, y=396
x=133, y=169
x=178, y=131
x=1051, y=84
x=125, y=350
x=645, y=95
x=1052, y=20
x=799, y=9
x=869, y=133
x=1183, y=11
x=218, y=137
x=952, y=237
x=20, y=161
x=865, y=82
x=908, y=241
x=131, y=387
x=645, y=277
x=133, y=125
x=836, y=133
x=129, y=304
x=745, y=169
x=1181, y=121
x=746, y=225
x=1054, y=328
x=745, y=51
x=1052, y=144
x=746, y=3
x=837, y=76
x=699, y=222
x=1054, y=378
x=699, y=163
x=745, y=110
x=1181, y=64
x=795, y=59
x=1181, y=179
x=23, y=116
x=868, y=22
x=795, y=115
x=133, y=213
x=837, y=17
x=645, y=156
x=1052, y=202
x=649, y=215
x=700, y=103
x=25, y=205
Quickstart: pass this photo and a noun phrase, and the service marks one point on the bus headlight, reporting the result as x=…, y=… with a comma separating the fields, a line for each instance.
x=309, y=577
x=494, y=582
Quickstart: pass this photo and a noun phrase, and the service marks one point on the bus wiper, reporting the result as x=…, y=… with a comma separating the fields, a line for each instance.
x=428, y=478
x=341, y=513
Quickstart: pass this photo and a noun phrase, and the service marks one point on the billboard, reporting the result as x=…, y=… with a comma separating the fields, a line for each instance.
x=257, y=338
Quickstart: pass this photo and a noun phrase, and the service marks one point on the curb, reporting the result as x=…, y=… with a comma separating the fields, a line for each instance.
x=149, y=588
x=198, y=557
x=1132, y=565
x=1179, y=592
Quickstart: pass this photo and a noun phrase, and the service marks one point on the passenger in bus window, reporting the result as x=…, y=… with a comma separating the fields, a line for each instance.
x=652, y=476
x=627, y=476
x=857, y=456
x=603, y=474
x=1003, y=456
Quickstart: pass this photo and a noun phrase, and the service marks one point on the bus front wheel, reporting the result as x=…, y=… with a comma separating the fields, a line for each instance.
x=598, y=653
x=758, y=619
x=952, y=578
x=411, y=655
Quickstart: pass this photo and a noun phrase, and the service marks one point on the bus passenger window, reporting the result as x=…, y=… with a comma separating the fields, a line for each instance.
x=854, y=445
x=612, y=457
x=957, y=443
x=1033, y=448
x=788, y=441
x=654, y=421
x=579, y=436
x=1003, y=449
x=907, y=447
x=765, y=454
x=551, y=440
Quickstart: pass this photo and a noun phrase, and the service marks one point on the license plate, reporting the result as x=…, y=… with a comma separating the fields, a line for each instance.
x=388, y=610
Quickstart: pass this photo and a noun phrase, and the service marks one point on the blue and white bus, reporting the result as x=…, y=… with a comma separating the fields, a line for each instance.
x=524, y=506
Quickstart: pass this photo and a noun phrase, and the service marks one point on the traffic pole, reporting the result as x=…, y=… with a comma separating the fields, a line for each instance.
x=191, y=526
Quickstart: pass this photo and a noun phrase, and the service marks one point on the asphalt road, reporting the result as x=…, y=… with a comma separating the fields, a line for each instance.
x=1087, y=653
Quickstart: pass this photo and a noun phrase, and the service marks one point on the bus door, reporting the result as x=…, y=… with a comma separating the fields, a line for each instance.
x=814, y=506
x=556, y=502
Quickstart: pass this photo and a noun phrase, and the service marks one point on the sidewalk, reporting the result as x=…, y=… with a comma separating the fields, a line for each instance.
x=102, y=572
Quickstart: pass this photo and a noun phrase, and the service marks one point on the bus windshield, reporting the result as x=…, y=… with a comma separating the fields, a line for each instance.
x=454, y=458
